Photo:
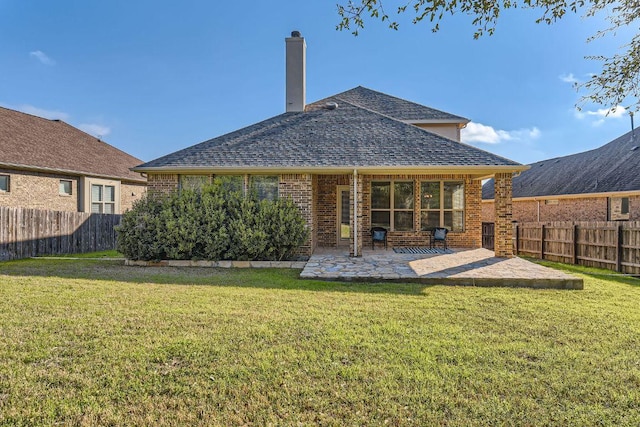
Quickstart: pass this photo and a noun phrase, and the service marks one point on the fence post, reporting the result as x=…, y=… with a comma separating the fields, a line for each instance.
x=619, y=249
x=542, y=241
x=575, y=244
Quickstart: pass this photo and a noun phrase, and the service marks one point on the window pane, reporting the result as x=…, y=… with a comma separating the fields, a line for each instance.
x=96, y=194
x=96, y=207
x=430, y=195
x=65, y=187
x=380, y=219
x=265, y=186
x=430, y=220
x=402, y=221
x=4, y=182
x=624, y=210
x=109, y=208
x=380, y=195
x=453, y=195
x=109, y=193
x=193, y=182
x=230, y=183
x=403, y=195
x=454, y=220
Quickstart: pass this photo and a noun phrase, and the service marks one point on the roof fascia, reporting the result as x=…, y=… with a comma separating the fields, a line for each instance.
x=68, y=172
x=572, y=196
x=479, y=172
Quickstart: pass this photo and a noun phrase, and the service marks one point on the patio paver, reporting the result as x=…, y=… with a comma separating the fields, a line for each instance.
x=471, y=267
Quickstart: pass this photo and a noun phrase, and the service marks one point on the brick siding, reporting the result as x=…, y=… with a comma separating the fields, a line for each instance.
x=38, y=190
x=574, y=209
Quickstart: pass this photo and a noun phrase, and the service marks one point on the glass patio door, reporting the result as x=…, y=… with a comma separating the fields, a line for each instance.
x=344, y=227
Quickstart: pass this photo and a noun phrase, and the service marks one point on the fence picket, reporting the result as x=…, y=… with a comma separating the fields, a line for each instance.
x=32, y=232
x=612, y=245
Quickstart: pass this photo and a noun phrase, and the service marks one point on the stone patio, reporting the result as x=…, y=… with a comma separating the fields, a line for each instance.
x=470, y=267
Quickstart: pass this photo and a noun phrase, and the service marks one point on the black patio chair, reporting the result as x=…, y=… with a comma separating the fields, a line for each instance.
x=438, y=234
x=378, y=234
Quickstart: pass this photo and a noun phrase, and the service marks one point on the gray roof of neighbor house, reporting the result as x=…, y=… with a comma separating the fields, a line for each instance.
x=391, y=106
x=30, y=142
x=612, y=167
x=349, y=136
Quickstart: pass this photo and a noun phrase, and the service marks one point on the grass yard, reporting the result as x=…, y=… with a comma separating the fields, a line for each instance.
x=91, y=342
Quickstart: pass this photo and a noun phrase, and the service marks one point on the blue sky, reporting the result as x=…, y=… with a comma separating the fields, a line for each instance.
x=152, y=77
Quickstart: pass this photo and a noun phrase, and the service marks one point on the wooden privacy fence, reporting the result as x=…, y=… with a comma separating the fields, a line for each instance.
x=32, y=232
x=611, y=244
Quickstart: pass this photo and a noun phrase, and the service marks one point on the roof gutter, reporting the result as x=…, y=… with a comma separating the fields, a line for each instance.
x=69, y=172
x=480, y=171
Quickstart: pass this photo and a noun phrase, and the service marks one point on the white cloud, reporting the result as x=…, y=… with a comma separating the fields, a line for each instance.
x=94, y=129
x=42, y=57
x=40, y=112
x=569, y=78
x=477, y=132
x=602, y=114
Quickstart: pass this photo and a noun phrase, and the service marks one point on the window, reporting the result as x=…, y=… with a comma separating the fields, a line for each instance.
x=442, y=205
x=265, y=187
x=103, y=199
x=4, y=183
x=194, y=182
x=392, y=203
x=230, y=183
x=66, y=187
x=624, y=208
x=619, y=209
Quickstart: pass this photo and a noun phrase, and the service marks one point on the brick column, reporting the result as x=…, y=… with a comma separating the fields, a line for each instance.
x=299, y=188
x=359, y=187
x=503, y=226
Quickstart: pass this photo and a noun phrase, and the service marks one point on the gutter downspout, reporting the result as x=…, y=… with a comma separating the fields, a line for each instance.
x=355, y=212
x=538, y=210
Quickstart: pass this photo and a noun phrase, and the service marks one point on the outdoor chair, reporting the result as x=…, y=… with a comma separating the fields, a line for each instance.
x=439, y=234
x=378, y=234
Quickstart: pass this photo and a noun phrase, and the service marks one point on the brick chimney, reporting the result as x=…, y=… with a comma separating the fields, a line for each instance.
x=296, y=72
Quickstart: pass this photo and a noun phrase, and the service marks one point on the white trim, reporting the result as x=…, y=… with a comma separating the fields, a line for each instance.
x=571, y=196
x=478, y=171
x=355, y=212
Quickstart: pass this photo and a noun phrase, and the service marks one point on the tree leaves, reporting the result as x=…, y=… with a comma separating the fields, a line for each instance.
x=617, y=84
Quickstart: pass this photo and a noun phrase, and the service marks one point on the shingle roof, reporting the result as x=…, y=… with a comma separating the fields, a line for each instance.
x=390, y=106
x=31, y=141
x=612, y=167
x=347, y=136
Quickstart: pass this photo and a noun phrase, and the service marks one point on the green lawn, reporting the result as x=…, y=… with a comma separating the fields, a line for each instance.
x=86, y=342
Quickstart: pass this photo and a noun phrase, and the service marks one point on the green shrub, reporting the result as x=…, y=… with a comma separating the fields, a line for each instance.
x=140, y=233
x=213, y=224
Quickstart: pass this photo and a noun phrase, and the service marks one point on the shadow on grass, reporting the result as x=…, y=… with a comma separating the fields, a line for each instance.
x=597, y=273
x=267, y=278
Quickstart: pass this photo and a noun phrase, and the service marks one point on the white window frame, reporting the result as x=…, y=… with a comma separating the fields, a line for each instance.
x=87, y=184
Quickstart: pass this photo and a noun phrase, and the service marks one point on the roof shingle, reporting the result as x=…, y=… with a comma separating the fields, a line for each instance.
x=30, y=141
x=347, y=136
x=612, y=167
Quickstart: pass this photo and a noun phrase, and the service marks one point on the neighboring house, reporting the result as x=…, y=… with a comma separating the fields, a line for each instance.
x=352, y=161
x=596, y=185
x=49, y=164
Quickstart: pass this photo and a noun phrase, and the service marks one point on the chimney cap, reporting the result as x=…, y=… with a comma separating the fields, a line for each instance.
x=295, y=33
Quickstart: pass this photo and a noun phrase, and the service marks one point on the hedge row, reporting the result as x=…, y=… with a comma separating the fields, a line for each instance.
x=211, y=224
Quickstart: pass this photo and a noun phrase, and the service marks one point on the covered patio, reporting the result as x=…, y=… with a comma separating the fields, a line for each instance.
x=465, y=267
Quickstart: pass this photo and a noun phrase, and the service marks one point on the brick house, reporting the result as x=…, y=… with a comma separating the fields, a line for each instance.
x=352, y=161
x=49, y=164
x=596, y=185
